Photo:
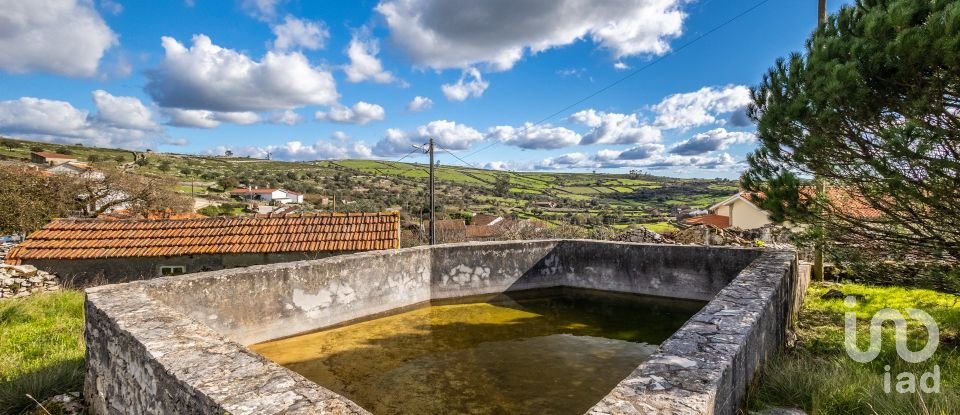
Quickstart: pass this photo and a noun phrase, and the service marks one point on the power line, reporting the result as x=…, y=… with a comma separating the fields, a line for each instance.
x=415, y=149
x=628, y=76
x=469, y=164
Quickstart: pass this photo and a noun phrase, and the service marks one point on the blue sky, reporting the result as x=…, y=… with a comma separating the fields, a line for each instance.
x=305, y=80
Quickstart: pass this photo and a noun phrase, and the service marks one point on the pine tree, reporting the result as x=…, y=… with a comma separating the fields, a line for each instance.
x=872, y=108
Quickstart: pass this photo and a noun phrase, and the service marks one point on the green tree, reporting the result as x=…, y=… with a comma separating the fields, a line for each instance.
x=94, y=158
x=873, y=110
x=119, y=158
x=30, y=199
x=228, y=183
x=502, y=186
x=164, y=165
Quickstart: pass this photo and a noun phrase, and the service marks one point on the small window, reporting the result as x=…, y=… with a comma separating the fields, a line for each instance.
x=167, y=270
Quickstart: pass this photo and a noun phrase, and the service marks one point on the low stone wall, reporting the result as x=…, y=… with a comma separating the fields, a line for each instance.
x=175, y=345
x=90, y=272
x=18, y=281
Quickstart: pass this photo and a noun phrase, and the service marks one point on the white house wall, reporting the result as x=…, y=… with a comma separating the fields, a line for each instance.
x=746, y=216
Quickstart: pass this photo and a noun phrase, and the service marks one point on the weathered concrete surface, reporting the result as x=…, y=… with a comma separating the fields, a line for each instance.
x=88, y=272
x=175, y=345
x=706, y=366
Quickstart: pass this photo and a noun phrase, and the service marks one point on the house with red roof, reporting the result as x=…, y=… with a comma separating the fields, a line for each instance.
x=742, y=210
x=115, y=250
x=50, y=159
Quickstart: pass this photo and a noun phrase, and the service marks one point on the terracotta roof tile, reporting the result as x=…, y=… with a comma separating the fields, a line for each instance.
x=97, y=238
x=715, y=220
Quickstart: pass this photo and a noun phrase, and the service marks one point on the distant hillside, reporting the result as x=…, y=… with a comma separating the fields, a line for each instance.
x=617, y=200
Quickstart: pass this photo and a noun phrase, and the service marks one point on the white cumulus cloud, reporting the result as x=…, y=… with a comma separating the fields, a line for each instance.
x=656, y=159
x=446, y=134
x=360, y=114
x=298, y=151
x=713, y=140
x=419, y=103
x=288, y=117
x=123, y=112
x=452, y=34
x=536, y=137
x=265, y=10
x=364, y=64
x=209, y=77
x=208, y=119
x=65, y=37
x=463, y=89
x=567, y=161
x=615, y=128
x=119, y=121
x=296, y=33
x=701, y=107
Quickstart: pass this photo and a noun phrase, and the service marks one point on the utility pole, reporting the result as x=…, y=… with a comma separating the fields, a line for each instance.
x=433, y=217
x=822, y=12
x=821, y=187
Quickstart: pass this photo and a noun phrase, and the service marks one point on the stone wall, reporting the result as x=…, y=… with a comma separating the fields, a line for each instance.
x=89, y=272
x=176, y=344
x=707, y=365
x=18, y=281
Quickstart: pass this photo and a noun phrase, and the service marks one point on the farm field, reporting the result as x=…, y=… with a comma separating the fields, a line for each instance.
x=584, y=199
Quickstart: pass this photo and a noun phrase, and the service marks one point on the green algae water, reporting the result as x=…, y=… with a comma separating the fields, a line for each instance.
x=553, y=351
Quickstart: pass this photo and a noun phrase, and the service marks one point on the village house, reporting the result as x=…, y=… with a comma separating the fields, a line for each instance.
x=268, y=195
x=741, y=210
x=737, y=211
x=50, y=159
x=97, y=250
x=75, y=168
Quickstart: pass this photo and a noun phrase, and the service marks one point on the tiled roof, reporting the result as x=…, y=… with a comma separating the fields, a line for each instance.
x=95, y=238
x=843, y=200
x=715, y=220
x=485, y=231
x=448, y=225
x=484, y=220
x=47, y=155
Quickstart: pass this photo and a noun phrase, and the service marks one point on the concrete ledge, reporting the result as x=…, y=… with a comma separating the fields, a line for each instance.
x=176, y=345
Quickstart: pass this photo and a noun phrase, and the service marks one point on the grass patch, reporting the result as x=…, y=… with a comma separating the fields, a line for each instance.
x=41, y=348
x=818, y=376
x=660, y=227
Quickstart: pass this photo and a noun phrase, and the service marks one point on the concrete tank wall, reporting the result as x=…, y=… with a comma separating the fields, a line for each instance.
x=214, y=314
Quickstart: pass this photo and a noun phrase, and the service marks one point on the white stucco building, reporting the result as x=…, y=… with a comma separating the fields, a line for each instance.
x=268, y=195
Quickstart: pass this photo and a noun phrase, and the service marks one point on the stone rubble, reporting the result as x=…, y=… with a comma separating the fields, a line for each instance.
x=17, y=281
x=5, y=247
x=772, y=236
x=66, y=404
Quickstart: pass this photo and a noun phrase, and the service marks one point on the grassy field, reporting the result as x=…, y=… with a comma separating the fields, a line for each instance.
x=818, y=376
x=585, y=199
x=41, y=348
x=41, y=354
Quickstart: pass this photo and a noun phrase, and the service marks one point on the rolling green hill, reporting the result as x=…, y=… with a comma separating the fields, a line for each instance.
x=618, y=200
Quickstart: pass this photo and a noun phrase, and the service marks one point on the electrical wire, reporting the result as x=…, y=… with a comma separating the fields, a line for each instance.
x=626, y=77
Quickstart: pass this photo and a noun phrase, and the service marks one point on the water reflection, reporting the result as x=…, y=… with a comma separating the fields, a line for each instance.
x=540, y=351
